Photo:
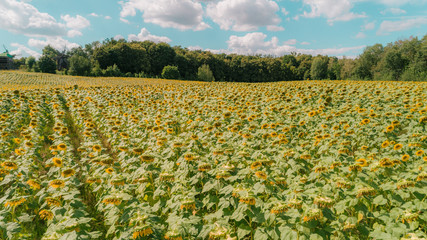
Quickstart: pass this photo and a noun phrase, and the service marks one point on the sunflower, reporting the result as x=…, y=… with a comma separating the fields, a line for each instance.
x=109, y=170
x=261, y=174
x=14, y=202
x=398, y=146
x=96, y=148
x=46, y=214
x=52, y=202
x=62, y=147
x=68, y=173
x=390, y=128
x=256, y=165
x=362, y=162
x=33, y=184
x=385, y=144
x=419, y=153
x=8, y=165
x=57, y=183
x=19, y=151
x=57, y=162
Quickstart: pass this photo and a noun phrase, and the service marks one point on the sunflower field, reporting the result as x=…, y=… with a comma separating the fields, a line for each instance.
x=114, y=158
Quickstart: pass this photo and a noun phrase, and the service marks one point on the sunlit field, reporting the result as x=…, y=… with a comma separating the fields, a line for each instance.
x=124, y=158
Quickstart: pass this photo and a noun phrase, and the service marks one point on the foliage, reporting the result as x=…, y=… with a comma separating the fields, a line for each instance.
x=170, y=72
x=319, y=68
x=401, y=60
x=204, y=73
x=114, y=158
x=47, y=65
x=79, y=65
x=30, y=62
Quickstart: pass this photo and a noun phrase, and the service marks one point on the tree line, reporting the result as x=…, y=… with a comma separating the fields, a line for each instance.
x=401, y=60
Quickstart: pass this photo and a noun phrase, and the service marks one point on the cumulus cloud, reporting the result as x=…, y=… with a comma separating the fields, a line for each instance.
x=394, y=11
x=360, y=35
x=256, y=43
x=146, y=35
x=118, y=37
x=332, y=10
x=183, y=14
x=24, y=51
x=77, y=22
x=245, y=15
x=56, y=42
x=387, y=27
x=74, y=33
x=23, y=18
x=369, y=26
x=107, y=17
x=290, y=42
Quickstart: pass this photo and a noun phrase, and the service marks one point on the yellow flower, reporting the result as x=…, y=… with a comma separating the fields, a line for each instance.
x=46, y=214
x=419, y=153
x=385, y=144
x=19, y=151
x=362, y=162
x=57, y=161
x=405, y=158
x=68, y=172
x=58, y=183
x=96, y=148
x=33, y=184
x=62, y=147
x=398, y=146
x=109, y=170
x=389, y=128
x=8, y=165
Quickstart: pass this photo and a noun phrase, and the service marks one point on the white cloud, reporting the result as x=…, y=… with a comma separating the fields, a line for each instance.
x=333, y=10
x=284, y=11
x=183, y=14
x=255, y=43
x=124, y=20
x=192, y=48
x=24, y=51
x=305, y=43
x=394, y=11
x=107, y=17
x=94, y=15
x=398, y=2
x=361, y=35
x=244, y=15
x=369, y=26
x=387, y=27
x=146, y=35
x=56, y=42
x=118, y=37
x=74, y=33
x=290, y=42
x=77, y=22
x=23, y=18
x=275, y=28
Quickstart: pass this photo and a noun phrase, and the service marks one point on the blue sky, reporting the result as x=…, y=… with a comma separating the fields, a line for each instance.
x=277, y=27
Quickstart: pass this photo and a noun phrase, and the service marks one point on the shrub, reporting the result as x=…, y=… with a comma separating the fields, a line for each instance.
x=170, y=72
x=47, y=65
x=204, y=73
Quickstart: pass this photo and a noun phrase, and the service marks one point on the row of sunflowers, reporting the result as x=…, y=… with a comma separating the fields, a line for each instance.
x=187, y=160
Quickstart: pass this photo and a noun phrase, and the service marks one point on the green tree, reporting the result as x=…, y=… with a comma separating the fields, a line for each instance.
x=30, y=62
x=395, y=63
x=79, y=66
x=319, y=68
x=47, y=65
x=204, y=73
x=170, y=72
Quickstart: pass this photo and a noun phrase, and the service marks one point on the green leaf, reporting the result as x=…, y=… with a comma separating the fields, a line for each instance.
x=315, y=236
x=380, y=200
x=243, y=230
x=260, y=235
x=287, y=233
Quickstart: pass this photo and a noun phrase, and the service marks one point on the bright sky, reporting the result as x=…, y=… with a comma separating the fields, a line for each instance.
x=277, y=27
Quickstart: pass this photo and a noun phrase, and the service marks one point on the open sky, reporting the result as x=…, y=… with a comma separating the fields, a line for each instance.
x=277, y=27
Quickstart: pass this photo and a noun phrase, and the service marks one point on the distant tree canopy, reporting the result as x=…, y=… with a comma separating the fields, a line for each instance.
x=401, y=60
